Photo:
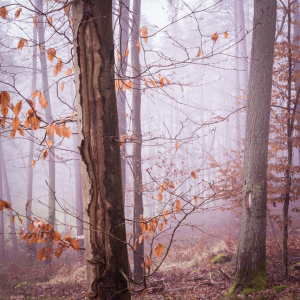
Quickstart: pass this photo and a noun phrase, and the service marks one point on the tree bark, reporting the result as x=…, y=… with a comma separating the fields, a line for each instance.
x=105, y=235
x=251, y=260
x=137, y=146
x=8, y=199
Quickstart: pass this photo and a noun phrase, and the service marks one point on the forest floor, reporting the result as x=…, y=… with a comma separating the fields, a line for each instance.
x=188, y=273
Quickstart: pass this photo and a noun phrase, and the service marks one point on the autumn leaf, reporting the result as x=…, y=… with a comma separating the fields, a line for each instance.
x=21, y=131
x=168, y=81
x=119, y=55
x=33, y=163
x=35, y=21
x=3, y=12
x=20, y=219
x=176, y=145
x=58, y=67
x=159, y=249
x=146, y=82
x=45, y=154
x=62, y=86
x=148, y=265
x=66, y=131
x=199, y=53
x=18, y=108
x=225, y=34
x=41, y=47
x=138, y=46
x=66, y=9
x=118, y=84
x=68, y=72
x=4, y=110
x=56, y=236
x=34, y=94
x=13, y=219
x=51, y=52
x=127, y=51
x=21, y=44
x=17, y=13
x=160, y=226
x=215, y=37
x=41, y=254
x=31, y=103
x=162, y=187
x=42, y=100
x=153, y=83
x=15, y=123
x=49, y=143
x=177, y=205
x=50, y=129
x=58, y=130
x=160, y=197
x=141, y=238
x=4, y=98
x=50, y=21
x=193, y=174
x=35, y=123
x=171, y=185
x=196, y=199
x=72, y=117
x=4, y=204
x=134, y=246
x=145, y=33
x=12, y=134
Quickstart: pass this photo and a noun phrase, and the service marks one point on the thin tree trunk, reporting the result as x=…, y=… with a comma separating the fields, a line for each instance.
x=2, y=249
x=121, y=70
x=251, y=259
x=8, y=199
x=137, y=146
x=288, y=180
x=45, y=84
x=31, y=147
x=105, y=235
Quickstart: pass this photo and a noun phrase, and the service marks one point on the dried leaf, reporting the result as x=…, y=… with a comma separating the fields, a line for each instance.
x=21, y=131
x=159, y=249
x=193, y=174
x=119, y=55
x=141, y=238
x=62, y=86
x=13, y=219
x=177, y=145
x=138, y=46
x=215, y=37
x=15, y=123
x=4, y=204
x=50, y=21
x=160, y=197
x=49, y=143
x=33, y=163
x=3, y=12
x=17, y=13
x=51, y=52
x=145, y=33
x=4, y=110
x=18, y=108
x=118, y=84
x=225, y=34
x=146, y=82
x=45, y=154
x=21, y=44
x=171, y=185
x=153, y=83
x=127, y=51
x=72, y=117
x=66, y=131
x=20, y=219
x=196, y=199
x=12, y=134
x=160, y=226
x=34, y=94
x=41, y=254
x=178, y=206
x=35, y=21
x=199, y=53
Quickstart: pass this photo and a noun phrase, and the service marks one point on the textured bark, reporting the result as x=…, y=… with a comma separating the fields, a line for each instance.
x=8, y=199
x=2, y=249
x=251, y=259
x=121, y=72
x=31, y=148
x=105, y=236
x=51, y=157
x=137, y=146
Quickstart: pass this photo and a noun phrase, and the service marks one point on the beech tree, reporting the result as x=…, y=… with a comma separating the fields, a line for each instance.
x=105, y=237
x=251, y=260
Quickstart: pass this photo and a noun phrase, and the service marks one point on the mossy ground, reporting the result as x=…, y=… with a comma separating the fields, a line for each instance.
x=279, y=288
x=222, y=258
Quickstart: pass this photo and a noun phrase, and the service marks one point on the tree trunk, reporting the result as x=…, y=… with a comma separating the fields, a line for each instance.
x=121, y=72
x=8, y=199
x=43, y=59
x=2, y=249
x=251, y=260
x=31, y=149
x=137, y=146
x=105, y=235
x=288, y=180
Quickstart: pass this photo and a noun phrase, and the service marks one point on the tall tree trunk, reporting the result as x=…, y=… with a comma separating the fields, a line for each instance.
x=121, y=72
x=251, y=260
x=2, y=249
x=43, y=60
x=289, y=124
x=31, y=147
x=105, y=235
x=8, y=199
x=137, y=146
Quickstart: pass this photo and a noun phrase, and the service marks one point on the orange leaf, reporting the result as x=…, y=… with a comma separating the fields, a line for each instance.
x=20, y=219
x=146, y=82
x=49, y=143
x=134, y=246
x=215, y=37
x=3, y=12
x=145, y=33
x=50, y=21
x=15, y=123
x=4, y=98
x=33, y=163
x=118, y=84
x=159, y=249
x=127, y=51
x=199, y=53
x=177, y=145
x=177, y=205
x=41, y=254
x=141, y=238
x=171, y=185
x=138, y=46
x=45, y=154
x=35, y=123
x=119, y=55
x=34, y=94
x=35, y=21
x=167, y=80
x=62, y=86
x=17, y=13
x=13, y=219
x=4, y=110
x=56, y=236
x=225, y=34
x=18, y=108
x=12, y=134
x=153, y=83
x=4, y=204
x=193, y=174
x=66, y=131
x=160, y=226
x=160, y=197
x=21, y=44
x=51, y=52
x=72, y=117
x=21, y=131
x=41, y=47
x=196, y=199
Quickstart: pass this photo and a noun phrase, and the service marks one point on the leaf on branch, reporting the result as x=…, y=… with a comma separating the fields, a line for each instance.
x=21, y=131
x=127, y=85
x=35, y=21
x=20, y=219
x=49, y=143
x=45, y=154
x=3, y=122
x=66, y=131
x=18, y=108
x=138, y=46
x=72, y=117
x=196, y=199
x=4, y=110
x=160, y=197
x=58, y=67
x=145, y=33
x=215, y=37
x=4, y=98
x=13, y=219
x=134, y=246
x=35, y=123
x=153, y=82
x=159, y=249
x=69, y=72
x=178, y=206
x=58, y=130
x=31, y=103
x=176, y=145
x=50, y=21
x=141, y=238
x=225, y=34
x=3, y=12
x=56, y=236
x=33, y=163
x=41, y=254
x=4, y=204
x=41, y=47
x=193, y=174
x=27, y=204
x=42, y=100
x=171, y=185
x=148, y=264
x=12, y=134
x=62, y=86
x=15, y=123
x=199, y=53
x=17, y=13
x=119, y=55
x=118, y=84
x=146, y=82
x=51, y=52
x=34, y=94
x=127, y=51
x=162, y=187
x=21, y=44
x=66, y=9
x=160, y=226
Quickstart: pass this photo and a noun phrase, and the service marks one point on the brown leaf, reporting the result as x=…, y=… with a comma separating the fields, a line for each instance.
x=160, y=226
x=177, y=205
x=49, y=143
x=56, y=236
x=41, y=47
x=15, y=123
x=145, y=33
x=199, y=53
x=66, y=131
x=72, y=117
x=35, y=123
x=33, y=163
x=62, y=86
x=21, y=44
x=171, y=185
x=21, y=131
x=4, y=110
x=225, y=34
x=159, y=249
x=215, y=37
x=35, y=21
x=167, y=80
x=12, y=134
x=4, y=204
x=193, y=174
x=27, y=204
x=20, y=219
x=138, y=46
x=3, y=12
x=153, y=83
x=17, y=13
x=58, y=130
x=34, y=94
x=18, y=108
x=45, y=154
x=50, y=21
x=119, y=55
x=196, y=199
x=134, y=246
x=127, y=51
x=118, y=84
x=146, y=82
x=51, y=52
x=160, y=197
x=141, y=238
x=13, y=219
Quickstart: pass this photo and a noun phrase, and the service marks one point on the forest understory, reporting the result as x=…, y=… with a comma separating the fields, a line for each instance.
x=188, y=273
